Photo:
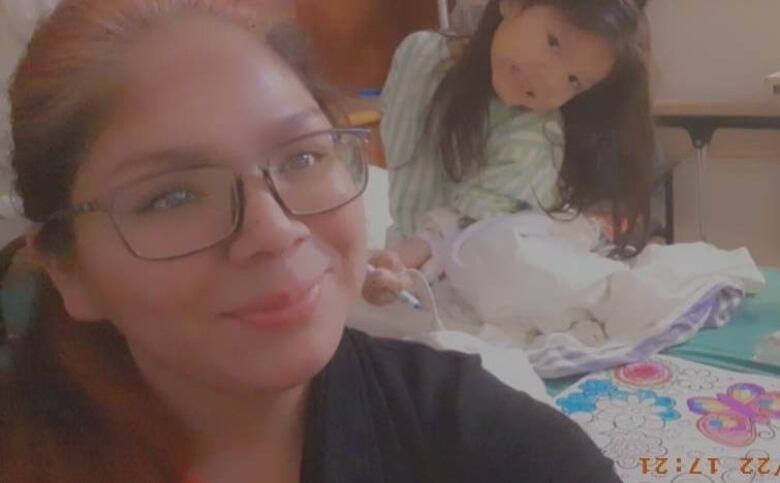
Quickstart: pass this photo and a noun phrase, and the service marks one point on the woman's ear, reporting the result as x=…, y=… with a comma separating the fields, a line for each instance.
x=64, y=274
x=510, y=8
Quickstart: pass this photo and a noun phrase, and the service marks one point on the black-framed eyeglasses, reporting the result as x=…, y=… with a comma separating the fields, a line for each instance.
x=184, y=211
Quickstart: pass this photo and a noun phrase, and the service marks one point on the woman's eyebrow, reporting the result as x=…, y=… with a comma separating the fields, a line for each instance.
x=175, y=157
x=295, y=122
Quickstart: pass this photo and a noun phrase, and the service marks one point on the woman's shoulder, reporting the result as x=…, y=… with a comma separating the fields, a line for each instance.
x=413, y=362
x=422, y=372
x=474, y=419
x=432, y=381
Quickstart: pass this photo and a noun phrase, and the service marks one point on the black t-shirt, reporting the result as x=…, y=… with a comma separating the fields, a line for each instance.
x=388, y=411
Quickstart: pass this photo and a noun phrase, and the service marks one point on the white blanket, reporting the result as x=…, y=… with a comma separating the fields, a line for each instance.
x=532, y=273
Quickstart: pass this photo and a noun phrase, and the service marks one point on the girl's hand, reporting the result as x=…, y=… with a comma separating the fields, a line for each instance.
x=383, y=285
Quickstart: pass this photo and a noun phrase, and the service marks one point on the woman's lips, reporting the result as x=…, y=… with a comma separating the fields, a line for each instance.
x=286, y=308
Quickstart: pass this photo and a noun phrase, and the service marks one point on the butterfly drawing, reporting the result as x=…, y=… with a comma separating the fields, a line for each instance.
x=731, y=418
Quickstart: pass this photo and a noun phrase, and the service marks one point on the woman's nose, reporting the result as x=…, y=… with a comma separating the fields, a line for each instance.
x=267, y=228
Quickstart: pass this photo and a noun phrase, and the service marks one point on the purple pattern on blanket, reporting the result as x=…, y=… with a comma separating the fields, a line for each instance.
x=713, y=309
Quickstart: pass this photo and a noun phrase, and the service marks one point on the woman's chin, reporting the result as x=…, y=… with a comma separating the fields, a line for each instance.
x=298, y=366
x=307, y=354
x=297, y=373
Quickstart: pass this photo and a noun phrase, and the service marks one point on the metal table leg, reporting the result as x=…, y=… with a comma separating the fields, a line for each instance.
x=669, y=207
x=701, y=193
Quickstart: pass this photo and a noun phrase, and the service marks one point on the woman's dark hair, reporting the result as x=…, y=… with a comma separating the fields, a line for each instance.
x=73, y=406
x=610, y=146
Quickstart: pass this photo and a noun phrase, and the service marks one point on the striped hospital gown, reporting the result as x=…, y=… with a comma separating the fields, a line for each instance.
x=524, y=149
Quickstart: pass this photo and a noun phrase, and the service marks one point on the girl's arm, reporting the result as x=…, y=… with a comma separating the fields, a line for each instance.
x=413, y=252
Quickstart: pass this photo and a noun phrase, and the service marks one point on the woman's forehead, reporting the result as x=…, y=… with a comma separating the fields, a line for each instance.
x=198, y=85
x=199, y=49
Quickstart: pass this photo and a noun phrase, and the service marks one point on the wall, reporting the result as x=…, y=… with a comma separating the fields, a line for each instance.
x=715, y=49
x=720, y=51
x=355, y=39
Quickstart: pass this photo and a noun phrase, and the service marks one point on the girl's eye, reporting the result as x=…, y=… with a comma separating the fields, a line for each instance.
x=553, y=41
x=575, y=82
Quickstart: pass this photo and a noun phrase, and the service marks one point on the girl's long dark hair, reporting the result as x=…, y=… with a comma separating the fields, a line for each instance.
x=609, y=132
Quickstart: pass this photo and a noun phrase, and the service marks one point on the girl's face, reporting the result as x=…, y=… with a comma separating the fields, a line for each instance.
x=539, y=61
x=264, y=309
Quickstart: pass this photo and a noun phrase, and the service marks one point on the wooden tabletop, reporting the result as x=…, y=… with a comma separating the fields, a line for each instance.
x=737, y=137
x=716, y=109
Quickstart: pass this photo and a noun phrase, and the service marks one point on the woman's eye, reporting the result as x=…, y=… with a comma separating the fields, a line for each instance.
x=575, y=82
x=553, y=41
x=301, y=161
x=173, y=199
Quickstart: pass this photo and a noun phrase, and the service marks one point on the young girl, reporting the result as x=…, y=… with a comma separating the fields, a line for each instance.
x=199, y=226
x=547, y=107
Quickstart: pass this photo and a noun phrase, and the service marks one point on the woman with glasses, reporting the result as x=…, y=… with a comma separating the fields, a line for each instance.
x=198, y=222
